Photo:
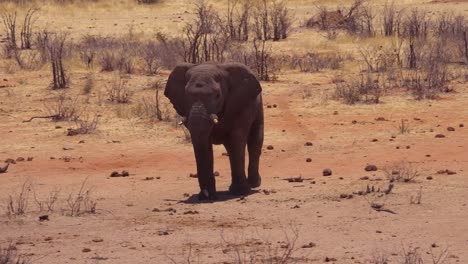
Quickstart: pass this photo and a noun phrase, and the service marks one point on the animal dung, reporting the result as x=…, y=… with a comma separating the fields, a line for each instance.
x=439, y=136
x=270, y=147
x=327, y=172
x=193, y=175
x=450, y=129
x=308, y=160
x=370, y=168
x=122, y=174
x=308, y=144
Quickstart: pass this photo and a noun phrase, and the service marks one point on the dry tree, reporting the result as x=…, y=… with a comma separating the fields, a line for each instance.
x=27, y=28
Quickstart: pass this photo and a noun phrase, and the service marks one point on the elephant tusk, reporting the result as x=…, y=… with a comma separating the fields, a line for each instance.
x=182, y=121
x=215, y=119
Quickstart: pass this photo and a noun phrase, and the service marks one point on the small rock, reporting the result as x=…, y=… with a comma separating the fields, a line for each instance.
x=270, y=147
x=327, y=172
x=20, y=159
x=163, y=233
x=98, y=240
x=461, y=125
x=216, y=174
x=428, y=155
x=86, y=250
x=30, y=158
x=149, y=178
x=451, y=129
x=115, y=174
x=308, y=160
x=408, y=147
x=48, y=239
x=81, y=142
x=375, y=140
x=429, y=178
x=58, y=127
x=364, y=178
x=370, y=168
x=380, y=118
x=439, y=136
x=308, y=144
x=327, y=259
x=125, y=174
x=193, y=175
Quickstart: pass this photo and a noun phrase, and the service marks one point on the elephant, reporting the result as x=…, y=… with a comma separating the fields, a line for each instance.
x=220, y=104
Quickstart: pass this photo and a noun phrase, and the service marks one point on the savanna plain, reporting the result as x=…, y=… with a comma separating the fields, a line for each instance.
x=365, y=151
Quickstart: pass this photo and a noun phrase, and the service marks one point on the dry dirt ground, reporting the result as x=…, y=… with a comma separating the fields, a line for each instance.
x=159, y=220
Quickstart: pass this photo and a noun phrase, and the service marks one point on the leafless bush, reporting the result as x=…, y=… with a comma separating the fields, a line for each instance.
x=391, y=19
x=56, y=48
x=416, y=24
x=402, y=171
x=89, y=83
x=238, y=17
x=365, y=88
x=41, y=43
x=84, y=125
x=9, y=22
x=87, y=49
x=63, y=108
x=264, y=63
x=82, y=202
x=28, y=59
x=150, y=53
x=281, y=19
x=27, y=28
x=403, y=127
x=453, y=29
x=49, y=202
x=18, y=202
x=119, y=92
x=430, y=74
x=356, y=19
x=152, y=107
x=204, y=38
x=9, y=255
x=314, y=62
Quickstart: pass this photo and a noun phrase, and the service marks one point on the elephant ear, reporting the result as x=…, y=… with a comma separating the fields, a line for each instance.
x=243, y=88
x=175, y=88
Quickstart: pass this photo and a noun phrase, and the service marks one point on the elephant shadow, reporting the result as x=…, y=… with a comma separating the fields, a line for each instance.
x=223, y=196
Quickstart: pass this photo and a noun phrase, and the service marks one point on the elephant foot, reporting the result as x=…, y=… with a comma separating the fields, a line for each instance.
x=205, y=195
x=239, y=189
x=255, y=181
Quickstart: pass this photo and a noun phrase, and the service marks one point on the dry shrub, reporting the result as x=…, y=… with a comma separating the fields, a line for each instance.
x=82, y=202
x=9, y=23
x=9, y=255
x=430, y=73
x=364, y=88
x=57, y=50
x=18, y=202
x=149, y=52
x=27, y=28
x=356, y=19
x=315, y=62
x=205, y=38
x=48, y=203
x=238, y=19
x=402, y=171
x=84, y=125
x=89, y=84
x=63, y=108
x=118, y=91
x=391, y=19
x=152, y=107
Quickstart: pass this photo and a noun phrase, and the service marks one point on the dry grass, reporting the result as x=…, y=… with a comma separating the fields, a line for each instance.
x=82, y=202
x=10, y=255
x=18, y=203
x=401, y=171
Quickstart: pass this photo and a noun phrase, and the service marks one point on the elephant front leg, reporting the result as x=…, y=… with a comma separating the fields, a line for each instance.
x=255, y=144
x=236, y=151
x=206, y=179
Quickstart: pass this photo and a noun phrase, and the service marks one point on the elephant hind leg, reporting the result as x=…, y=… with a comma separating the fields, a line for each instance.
x=255, y=144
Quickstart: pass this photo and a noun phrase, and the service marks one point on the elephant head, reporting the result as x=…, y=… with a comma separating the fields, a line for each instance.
x=209, y=95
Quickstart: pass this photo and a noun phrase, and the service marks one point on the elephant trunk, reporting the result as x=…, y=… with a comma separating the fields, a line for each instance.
x=200, y=126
